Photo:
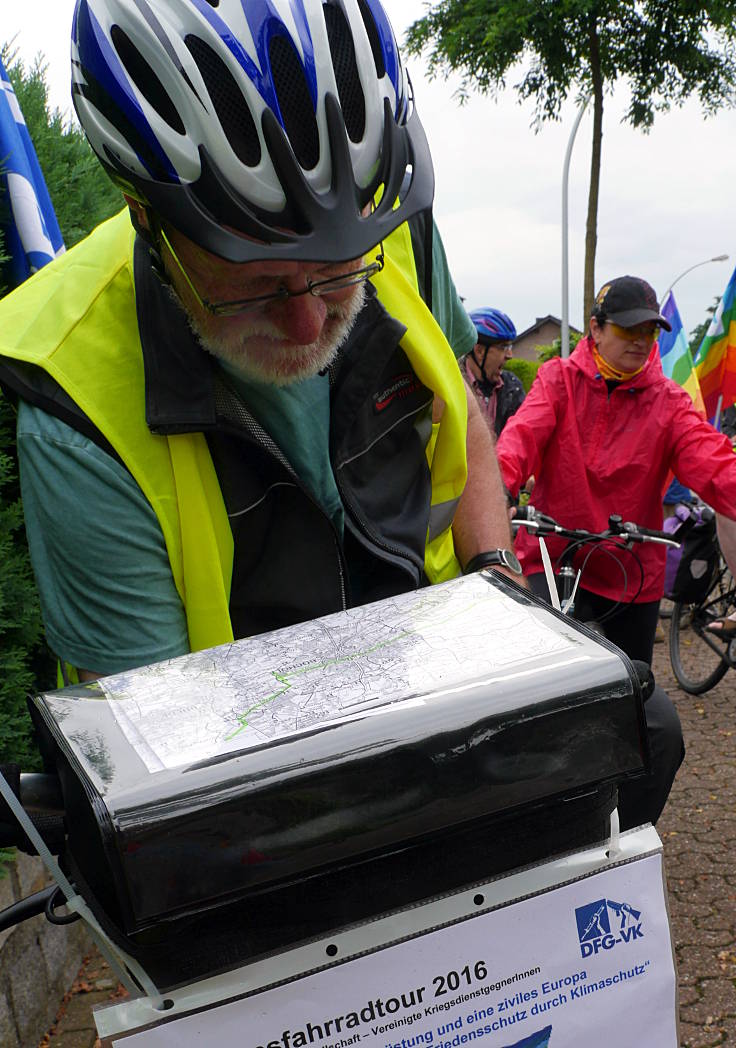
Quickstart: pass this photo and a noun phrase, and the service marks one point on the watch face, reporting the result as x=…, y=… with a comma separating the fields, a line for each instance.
x=509, y=560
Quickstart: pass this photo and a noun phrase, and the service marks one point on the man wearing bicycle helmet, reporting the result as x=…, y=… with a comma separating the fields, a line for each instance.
x=226, y=407
x=603, y=431
x=499, y=393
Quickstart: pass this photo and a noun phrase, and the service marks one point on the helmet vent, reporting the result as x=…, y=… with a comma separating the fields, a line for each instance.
x=295, y=103
x=349, y=88
x=231, y=108
x=145, y=79
x=374, y=38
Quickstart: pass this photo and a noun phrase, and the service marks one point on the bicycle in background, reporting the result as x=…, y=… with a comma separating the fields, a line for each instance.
x=700, y=657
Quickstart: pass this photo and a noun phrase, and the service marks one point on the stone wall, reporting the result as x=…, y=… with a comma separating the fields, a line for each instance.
x=38, y=961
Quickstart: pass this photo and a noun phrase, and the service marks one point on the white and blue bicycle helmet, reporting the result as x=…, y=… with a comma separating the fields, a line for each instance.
x=258, y=128
x=492, y=325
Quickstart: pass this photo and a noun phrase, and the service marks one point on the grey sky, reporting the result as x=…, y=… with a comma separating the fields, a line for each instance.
x=665, y=197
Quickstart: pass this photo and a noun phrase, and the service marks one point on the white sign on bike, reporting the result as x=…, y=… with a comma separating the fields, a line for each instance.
x=585, y=962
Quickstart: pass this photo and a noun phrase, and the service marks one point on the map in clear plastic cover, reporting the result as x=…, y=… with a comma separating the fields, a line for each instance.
x=397, y=651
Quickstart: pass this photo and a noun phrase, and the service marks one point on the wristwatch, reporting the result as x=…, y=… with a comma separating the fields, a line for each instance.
x=494, y=558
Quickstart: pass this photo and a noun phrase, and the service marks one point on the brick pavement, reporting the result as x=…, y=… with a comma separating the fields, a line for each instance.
x=698, y=829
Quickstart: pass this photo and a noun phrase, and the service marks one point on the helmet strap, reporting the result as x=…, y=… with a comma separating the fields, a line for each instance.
x=152, y=237
x=486, y=385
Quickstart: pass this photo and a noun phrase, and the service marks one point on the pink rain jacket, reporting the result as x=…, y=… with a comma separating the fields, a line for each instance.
x=593, y=454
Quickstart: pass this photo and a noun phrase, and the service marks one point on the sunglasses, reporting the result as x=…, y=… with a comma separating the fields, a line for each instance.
x=646, y=333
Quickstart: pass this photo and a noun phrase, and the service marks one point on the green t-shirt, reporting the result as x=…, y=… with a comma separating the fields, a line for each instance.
x=447, y=306
x=300, y=415
x=107, y=593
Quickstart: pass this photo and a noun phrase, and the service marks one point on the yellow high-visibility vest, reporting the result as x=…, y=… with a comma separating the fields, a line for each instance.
x=76, y=319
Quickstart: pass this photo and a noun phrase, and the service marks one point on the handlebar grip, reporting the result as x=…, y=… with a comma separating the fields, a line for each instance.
x=49, y=822
x=634, y=531
x=531, y=513
x=51, y=828
x=525, y=513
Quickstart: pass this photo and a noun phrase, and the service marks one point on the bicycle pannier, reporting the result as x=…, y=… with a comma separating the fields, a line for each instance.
x=690, y=568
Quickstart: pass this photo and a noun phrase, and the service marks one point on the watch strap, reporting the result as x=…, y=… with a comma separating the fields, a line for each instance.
x=492, y=558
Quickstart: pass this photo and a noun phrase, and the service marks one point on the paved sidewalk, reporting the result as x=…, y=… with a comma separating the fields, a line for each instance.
x=699, y=833
x=74, y=1026
x=698, y=828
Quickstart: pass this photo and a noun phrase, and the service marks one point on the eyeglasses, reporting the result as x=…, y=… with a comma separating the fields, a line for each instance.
x=646, y=333
x=318, y=288
x=504, y=347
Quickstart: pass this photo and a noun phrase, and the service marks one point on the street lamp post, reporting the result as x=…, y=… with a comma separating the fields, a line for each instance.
x=565, y=325
x=716, y=258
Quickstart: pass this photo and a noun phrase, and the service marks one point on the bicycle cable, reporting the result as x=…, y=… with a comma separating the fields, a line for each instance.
x=574, y=544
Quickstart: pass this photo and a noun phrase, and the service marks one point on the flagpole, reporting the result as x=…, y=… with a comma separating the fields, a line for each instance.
x=565, y=324
x=717, y=417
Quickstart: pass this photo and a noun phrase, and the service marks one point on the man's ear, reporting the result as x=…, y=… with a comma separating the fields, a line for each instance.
x=140, y=215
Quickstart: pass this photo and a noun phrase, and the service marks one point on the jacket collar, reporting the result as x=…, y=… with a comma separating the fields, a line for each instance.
x=582, y=358
x=178, y=372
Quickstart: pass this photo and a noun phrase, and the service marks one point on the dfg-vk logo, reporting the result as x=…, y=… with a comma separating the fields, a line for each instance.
x=595, y=930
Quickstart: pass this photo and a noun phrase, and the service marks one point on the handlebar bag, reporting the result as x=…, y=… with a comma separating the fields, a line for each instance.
x=248, y=796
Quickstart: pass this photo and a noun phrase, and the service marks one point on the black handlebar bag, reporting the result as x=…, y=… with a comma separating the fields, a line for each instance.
x=691, y=567
x=233, y=802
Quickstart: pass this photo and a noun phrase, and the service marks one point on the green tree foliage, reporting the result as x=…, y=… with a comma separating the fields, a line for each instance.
x=664, y=51
x=24, y=662
x=698, y=333
x=82, y=196
x=525, y=370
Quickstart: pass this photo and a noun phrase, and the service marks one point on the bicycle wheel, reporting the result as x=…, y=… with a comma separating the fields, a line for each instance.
x=698, y=657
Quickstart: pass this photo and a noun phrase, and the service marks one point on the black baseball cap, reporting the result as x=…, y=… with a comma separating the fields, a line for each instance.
x=628, y=301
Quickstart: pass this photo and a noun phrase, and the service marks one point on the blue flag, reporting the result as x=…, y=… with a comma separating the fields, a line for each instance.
x=32, y=235
x=540, y=1039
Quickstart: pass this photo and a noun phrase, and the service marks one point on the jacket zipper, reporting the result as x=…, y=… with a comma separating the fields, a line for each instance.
x=258, y=436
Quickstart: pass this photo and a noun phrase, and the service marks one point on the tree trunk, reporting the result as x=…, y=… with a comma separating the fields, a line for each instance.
x=591, y=226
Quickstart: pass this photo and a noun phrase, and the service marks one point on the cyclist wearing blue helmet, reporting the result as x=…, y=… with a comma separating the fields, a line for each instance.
x=499, y=393
x=222, y=428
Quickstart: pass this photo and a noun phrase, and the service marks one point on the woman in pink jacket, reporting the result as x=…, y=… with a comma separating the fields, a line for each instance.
x=602, y=431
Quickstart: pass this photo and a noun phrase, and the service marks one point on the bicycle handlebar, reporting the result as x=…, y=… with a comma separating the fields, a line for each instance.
x=624, y=532
x=40, y=795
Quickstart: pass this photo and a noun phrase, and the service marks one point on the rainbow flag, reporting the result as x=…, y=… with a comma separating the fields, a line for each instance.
x=674, y=352
x=715, y=362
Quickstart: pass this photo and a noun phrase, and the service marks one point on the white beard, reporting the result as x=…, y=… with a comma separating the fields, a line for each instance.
x=259, y=351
